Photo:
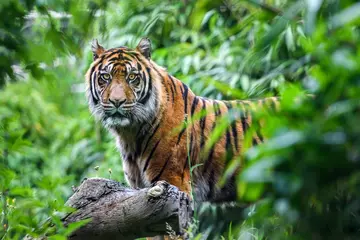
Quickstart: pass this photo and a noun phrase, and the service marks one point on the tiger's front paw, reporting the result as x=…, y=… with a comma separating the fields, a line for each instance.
x=156, y=191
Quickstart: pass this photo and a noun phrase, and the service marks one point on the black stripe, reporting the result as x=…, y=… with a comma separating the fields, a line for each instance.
x=155, y=179
x=172, y=83
x=150, y=155
x=110, y=55
x=140, y=139
x=228, y=144
x=191, y=148
x=138, y=147
x=273, y=104
x=190, y=153
x=125, y=58
x=140, y=62
x=216, y=109
x=228, y=135
x=113, y=59
x=139, y=66
x=139, y=59
x=120, y=52
x=261, y=138
x=131, y=53
x=254, y=141
x=148, y=93
x=202, y=124
x=172, y=94
x=143, y=77
x=211, y=183
x=150, y=137
x=234, y=132
x=121, y=63
x=145, y=125
x=210, y=157
x=185, y=165
x=259, y=135
x=181, y=133
x=100, y=66
x=121, y=57
x=162, y=79
x=229, y=154
x=192, y=156
x=244, y=125
x=193, y=105
x=91, y=88
x=185, y=96
x=243, y=118
x=227, y=140
x=257, y=125
x=233, y=127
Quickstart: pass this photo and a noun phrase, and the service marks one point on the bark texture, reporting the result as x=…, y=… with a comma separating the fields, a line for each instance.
x=117, y=212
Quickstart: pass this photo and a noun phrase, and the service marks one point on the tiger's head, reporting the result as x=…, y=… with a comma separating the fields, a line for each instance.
x=122, y=91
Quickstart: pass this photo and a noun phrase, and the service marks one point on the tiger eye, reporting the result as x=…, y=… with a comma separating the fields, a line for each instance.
x=106, y=76
x=131, y=76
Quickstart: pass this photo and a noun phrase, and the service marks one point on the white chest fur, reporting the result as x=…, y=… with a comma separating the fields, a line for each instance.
x=132, y=165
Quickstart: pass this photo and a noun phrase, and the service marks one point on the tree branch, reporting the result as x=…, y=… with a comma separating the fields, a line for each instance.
x=117, y=212
x=122, y=213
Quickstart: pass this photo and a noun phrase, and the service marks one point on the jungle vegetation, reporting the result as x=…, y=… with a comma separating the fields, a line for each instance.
x=303, y=183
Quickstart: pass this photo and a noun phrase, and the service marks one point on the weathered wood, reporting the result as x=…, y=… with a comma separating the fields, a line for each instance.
x=117, y=212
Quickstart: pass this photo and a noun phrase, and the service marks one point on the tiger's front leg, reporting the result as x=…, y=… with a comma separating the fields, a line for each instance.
x=182, y=181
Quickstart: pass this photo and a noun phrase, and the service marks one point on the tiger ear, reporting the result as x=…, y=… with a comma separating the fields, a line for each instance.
x=96, y=49
x=144, y=47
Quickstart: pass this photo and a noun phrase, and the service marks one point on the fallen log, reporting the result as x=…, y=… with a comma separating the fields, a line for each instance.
x=117, y=212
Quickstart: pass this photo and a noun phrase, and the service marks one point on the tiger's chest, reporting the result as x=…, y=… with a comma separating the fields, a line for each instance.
x=134, y=174
x=132, y=165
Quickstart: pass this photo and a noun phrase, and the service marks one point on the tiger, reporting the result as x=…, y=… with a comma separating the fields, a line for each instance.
x=145, y=108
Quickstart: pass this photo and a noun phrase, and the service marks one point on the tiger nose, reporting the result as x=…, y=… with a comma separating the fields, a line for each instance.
x=117, y=102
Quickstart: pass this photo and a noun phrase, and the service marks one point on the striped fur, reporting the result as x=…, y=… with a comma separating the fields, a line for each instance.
x=144, y=126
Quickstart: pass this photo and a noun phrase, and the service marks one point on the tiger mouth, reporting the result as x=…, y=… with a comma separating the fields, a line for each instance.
x=116, y=120
x=117, y=115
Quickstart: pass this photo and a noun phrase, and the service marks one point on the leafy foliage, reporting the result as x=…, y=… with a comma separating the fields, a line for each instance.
x=302, y=183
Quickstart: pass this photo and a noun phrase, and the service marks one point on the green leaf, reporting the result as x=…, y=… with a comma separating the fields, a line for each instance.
x=76, y=225
x=250, y=192
x=346, y=16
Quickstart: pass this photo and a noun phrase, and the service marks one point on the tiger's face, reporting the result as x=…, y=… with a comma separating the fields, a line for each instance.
x=120, y=91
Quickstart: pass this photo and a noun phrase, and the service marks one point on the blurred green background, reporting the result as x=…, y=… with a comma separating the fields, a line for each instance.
x=304, y=182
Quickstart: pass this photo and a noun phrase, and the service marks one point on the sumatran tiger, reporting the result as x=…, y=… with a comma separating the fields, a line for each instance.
x=142, y=105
